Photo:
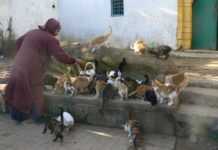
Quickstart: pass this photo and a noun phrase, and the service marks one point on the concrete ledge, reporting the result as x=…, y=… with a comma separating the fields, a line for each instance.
x=195, y=54
x=204, y=83
x=155, y=120
x=200, y=96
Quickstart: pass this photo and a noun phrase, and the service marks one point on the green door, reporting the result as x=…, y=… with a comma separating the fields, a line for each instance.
x=204, y=24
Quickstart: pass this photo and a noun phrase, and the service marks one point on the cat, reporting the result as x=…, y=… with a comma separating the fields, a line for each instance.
x=69, y=89
x=179, y=80
x=122, y=88
x=60, y=83
x=89, y=71
x=2, y=97
x=133, y=127
x=165, y=93
x=139, y=47
x=142, y=87
x=161, y=51
x=81, y=83
x=57, y=125
x=108, y=93
x=2, y=102
x=99, y=87
x=99, y=41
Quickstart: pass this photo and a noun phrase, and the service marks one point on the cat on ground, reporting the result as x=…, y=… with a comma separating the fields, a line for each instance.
x=57, y=125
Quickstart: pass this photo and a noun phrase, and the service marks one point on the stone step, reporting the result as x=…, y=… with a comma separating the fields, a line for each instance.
x=86, y=110
x=203, y=83
x=200, y=96
x=195, y=120
x=197, y=54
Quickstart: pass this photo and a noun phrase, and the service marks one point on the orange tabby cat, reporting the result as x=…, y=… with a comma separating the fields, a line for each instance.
x=139, y=47
x=179, y=80
x=99, y=41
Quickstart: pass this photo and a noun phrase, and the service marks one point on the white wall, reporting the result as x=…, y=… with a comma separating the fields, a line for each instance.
x=152, y=20
x=27, y=14
x=4, y=13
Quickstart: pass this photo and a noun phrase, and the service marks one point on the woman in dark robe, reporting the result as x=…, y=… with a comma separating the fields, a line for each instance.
x=24, y=93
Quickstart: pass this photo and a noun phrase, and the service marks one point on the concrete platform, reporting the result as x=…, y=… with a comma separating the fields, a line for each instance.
x=200, y=96
x=28, y=136
x=86, y=110
x=195, y=119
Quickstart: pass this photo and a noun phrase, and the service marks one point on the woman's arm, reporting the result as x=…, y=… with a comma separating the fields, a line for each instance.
x=59, y=54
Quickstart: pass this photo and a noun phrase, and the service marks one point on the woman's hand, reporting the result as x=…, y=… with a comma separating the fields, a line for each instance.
x=80, y=62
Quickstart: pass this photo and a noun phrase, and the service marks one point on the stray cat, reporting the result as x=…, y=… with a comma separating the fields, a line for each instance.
x=142, y=87
x=179, y=80
x=161, y=51
x=69, y=89
x=90, y=69
x=2, y=97
x=133, y=127
x=165, y=93
x=139, y=47
x=122, y=88
x=57, y=125
x=99, y=41
x=99, y=87
x=2, y=103
x=108, y=93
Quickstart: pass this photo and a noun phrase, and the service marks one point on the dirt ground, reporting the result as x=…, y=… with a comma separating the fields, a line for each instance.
x=28, y=136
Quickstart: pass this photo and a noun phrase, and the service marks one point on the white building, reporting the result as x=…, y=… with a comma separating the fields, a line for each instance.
x=153, y=20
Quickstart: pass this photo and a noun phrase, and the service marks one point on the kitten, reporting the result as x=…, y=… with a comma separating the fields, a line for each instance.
x=99, y=41
x=139, y=47
x=161, y=51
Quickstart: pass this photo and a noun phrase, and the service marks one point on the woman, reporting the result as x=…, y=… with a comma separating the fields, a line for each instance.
x=24, y=93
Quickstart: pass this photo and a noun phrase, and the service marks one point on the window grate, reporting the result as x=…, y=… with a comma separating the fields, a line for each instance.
x=117, y=7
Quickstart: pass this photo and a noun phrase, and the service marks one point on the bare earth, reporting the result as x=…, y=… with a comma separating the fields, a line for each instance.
x=28, y=136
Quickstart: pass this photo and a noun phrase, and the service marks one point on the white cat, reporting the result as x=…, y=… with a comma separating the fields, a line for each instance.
x=68, y=119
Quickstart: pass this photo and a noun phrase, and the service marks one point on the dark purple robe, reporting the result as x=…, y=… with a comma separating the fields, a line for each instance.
x=25, y=86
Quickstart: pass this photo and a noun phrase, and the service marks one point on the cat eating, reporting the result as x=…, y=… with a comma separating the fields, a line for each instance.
x=161, y=51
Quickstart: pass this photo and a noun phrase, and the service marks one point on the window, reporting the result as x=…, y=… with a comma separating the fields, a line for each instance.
x=117, y=7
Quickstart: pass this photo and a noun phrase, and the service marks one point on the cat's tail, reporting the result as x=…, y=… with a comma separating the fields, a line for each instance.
x=110, y=29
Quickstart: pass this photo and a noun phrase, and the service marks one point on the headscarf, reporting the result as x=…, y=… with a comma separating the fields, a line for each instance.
x=51, y=26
